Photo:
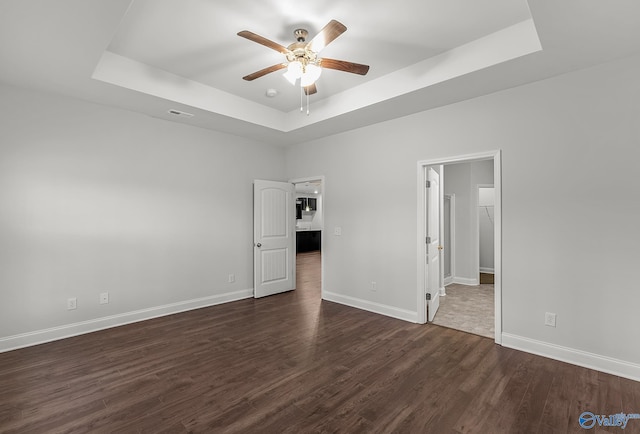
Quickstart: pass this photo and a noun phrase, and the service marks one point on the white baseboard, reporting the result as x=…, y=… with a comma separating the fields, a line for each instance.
x=487, y=270
x=465, y=281
x=68, y=330
x=371, y=306
x=448, y=280
x=573, y=356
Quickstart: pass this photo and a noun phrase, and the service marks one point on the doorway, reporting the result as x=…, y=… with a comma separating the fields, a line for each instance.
x=424, y=290
x=310, y=203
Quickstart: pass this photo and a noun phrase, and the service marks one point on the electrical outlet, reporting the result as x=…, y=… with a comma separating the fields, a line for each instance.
x=72, y=303
x=550, y=319
x=232, y=278
x=374, y=286
x=337, y=231
x=104, y=297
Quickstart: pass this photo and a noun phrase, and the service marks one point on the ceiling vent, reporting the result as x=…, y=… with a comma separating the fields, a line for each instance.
x=180, y=113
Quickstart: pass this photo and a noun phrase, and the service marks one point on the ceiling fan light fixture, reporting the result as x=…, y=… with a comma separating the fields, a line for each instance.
x=311, y=74
x=294, y=72
x=295, y=68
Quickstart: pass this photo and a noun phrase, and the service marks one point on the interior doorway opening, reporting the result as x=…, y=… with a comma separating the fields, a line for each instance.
x=309, y=198
x=466, y=267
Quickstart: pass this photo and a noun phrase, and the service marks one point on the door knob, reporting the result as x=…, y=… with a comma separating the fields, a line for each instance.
x=440, y=247
x=259, y=245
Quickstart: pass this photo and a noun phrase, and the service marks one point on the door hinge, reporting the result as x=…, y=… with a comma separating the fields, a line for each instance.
x=428, y=184
x=428, y=240
x=428, y=296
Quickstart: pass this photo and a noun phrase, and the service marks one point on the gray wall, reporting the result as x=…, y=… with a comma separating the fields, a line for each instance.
x=97, y=199
x=569, y=195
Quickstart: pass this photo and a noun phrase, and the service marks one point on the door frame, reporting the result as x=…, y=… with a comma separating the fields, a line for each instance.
x=323, y=237
x=496, y=155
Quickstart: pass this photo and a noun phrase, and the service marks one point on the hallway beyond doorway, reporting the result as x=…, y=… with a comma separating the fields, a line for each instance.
x=468, y=308
x=308, y=273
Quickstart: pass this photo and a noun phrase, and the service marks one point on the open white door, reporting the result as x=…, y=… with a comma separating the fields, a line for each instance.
x=434, y=247
x=273, y=237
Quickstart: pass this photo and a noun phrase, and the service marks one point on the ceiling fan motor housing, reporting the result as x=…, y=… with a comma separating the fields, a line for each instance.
x=298, y=51
x=301, y=34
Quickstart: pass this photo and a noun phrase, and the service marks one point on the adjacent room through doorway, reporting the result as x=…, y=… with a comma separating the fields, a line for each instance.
x=467, y=285
x=469, y=302
x=309, y=198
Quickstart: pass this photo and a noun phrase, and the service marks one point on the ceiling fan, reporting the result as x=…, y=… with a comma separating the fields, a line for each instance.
x=303, y=62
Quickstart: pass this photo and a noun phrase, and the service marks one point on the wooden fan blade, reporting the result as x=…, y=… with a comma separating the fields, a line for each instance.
x=328, y=33
x=311, y=89
x=264, y=71
x=342, y=65
x=264, y=41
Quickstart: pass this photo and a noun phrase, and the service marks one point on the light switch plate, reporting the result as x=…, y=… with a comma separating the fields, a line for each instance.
x=337, y=231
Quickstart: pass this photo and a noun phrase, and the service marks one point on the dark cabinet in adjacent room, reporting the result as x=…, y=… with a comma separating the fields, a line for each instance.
x=308, y=241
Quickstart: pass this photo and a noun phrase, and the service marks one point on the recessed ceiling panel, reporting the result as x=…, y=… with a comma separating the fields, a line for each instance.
x=197, y=39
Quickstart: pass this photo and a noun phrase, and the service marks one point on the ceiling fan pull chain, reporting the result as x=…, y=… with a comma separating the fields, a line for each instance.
x=307, y=103
x=301, y=103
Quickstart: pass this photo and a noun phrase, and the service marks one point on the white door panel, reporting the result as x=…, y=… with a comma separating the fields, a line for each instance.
x=274, y=237
x=434, y=247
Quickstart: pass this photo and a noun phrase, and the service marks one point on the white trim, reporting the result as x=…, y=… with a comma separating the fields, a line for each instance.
x=322, y=231
x=441, y=232
x=421, y=259
x=372, y=306
x=68, y=330
x=487, y=270
x=465, y=281
x=448, y=281
x=467, y=158
x=497, y=245
x=573, y=356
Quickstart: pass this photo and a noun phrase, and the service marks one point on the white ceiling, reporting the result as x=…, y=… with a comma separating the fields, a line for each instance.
x=196, y=39
x=309, y=187
x=150, y=56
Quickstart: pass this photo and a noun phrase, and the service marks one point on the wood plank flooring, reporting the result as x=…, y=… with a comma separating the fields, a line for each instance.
x=291, y=363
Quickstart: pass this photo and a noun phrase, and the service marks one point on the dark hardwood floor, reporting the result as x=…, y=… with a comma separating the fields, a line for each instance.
x=291, y=363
